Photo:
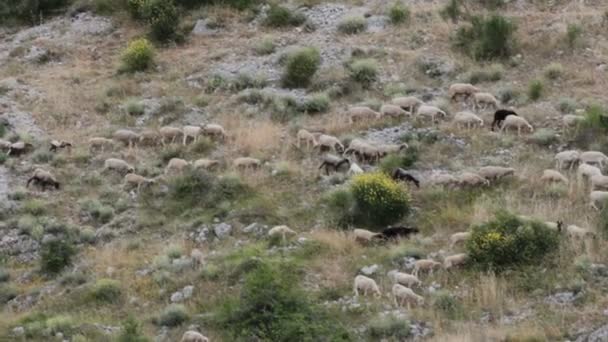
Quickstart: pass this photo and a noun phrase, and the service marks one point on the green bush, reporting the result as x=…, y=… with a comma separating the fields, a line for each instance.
x=55, y=255
x=553, y=71
x=173, y=315
x=316, y=103
x=486, y=38
x=301, y=66
x=191, y=188
x=448, y=305
x=597, y=117
x=402, y=160
x=265, y=46
x=163, y=17
x=535, y=89
x=138, y=56
x=106, y=291
x=398, y=13
x=507, y=242
x=389, y=327
x=131, y=331
x=28, y=11
x=134, y=107
x=279, y=16
x=379, y=200
x=364, y=71
x=573, y=35
x=352, y=25
x=451, y=11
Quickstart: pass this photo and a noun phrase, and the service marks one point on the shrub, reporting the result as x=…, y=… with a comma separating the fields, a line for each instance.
x=163, y=18
x=553, y=71
x=398, y=13
x=364, y=72
x=506, y=242
x=390, y=326
x=379, y=200
x=507, y=95
x=449, y=305
x=106, y=291
x=567, y=105
x=266, y=46
x=97, y=211
x=544, y=137
x=340, y=207
x=352, y=25
x=535, y=89
x=34, y=207
x=279, y=16
x=486, y=38
x=173, y=315
x=131, y=331
x=316, y=103
x=190, y=188
x=573, y=35
x=138, y=56
x=135, y=108
x=402, y=160
x=451, y=11
x=28, y=11
x=300, y=67
x=135, y=8
x=43, y=156
x=55, y=255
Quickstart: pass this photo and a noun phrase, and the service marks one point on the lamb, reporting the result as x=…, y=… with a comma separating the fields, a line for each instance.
x=135, y=180
x=500, y=116
x=197, y=257
x=430, y=111
x=567, y=159
x=400, y=174
x=393, y=111
x=309, y=138
x=56, y=144
x=19, y=148
x=403, y=294
x=118, y=165
x=386, y=149
x=599, y=182
x=193, y=336
x=467, y=120
x=43, y=178
x=425, y=265
x=215, y=130
x=407, y=103
x=495, y=172
x=282, y=230
x=553, y=176
x=127, y=137
x=330, y=142
x=354, y=170
x=586, y=171
x=455, y=260
x=594, y=157
x=598, y=199
x=484, y=99
x=464, y=89
x=98, y=142
x=472, y=179
x=148, y=137
x=397, y=232
x=191, y=131
x=570, y=120
x=361, y=113
x=246, y=163
x=459, y=237
x=176, y=165
x=577, y=232
x=169, y=133
x=405, y=279
x=331, y=161
x=206, y=164
x=365, y=236
x=518, y=122
x=365, y=284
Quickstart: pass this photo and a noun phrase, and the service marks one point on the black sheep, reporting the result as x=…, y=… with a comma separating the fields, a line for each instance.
x=400, y=174
x=500, y=116
x=398, y=232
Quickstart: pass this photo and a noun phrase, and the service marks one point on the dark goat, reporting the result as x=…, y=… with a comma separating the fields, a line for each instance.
x=400, y=174
x=390, y=232
x=334, y=162
x=500, y=116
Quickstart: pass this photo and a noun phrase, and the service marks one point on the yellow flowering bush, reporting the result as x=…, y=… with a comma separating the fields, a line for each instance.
x=379, y=200
x=138, y=56
x=508, y=241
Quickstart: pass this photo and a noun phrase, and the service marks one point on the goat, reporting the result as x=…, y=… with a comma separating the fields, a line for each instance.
x=500, y=116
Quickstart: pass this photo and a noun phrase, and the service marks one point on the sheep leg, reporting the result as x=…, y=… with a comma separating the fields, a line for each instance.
x=185, y=138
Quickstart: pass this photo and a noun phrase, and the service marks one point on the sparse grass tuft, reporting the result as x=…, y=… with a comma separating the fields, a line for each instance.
x=265, y=46
x=535, y=90
x=389, y=327
x=573, y=35
x=106, y=291
x=364, y=71
x=173, y=315
x=492, y=74
x=279, y=16
x=553, y=71
x=567, y=105
x=448, y=305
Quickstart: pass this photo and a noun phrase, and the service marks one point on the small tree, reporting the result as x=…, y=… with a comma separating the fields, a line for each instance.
x=56, y=255
x=487, y=38
x=300, y=67
x=163, y=18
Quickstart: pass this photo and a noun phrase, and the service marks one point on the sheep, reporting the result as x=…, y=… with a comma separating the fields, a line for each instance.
x=127, y=137
x=5, y=144
x=465, y=89
x=495, y=172
x=148, y=137
x=598, y=199
x=516, y=122
x=390, y=232
x=567, y=159
x=19, y=148
x=430, y=111
x=459, y=237
x=444, y=179
x=455, y=260
x=282, y=230
x=56, y=144
x=365, y=236
x=43, y=178
x=191, y=131
x=246, y=163
x=500, y=116
x=407, y=103
x=206, y=164
x=331, y=161
x=176, y=165
x=330, y=142
x=405, y=294
x=354, y=170
x=98, y=142
x=425, y=265
x=577, y=232
x=400, y=174
x=471, y=179
x=215, y=130
x=197, y=257
x=309, y=138
x=118, y=165
x=405, y=279
x=553, y=176
x=484, y=99
x=599, y=182
x=467, y=120
x=557, y=226
x=393, y=111
x=134, y=180
x=586, y=171
x=169, y=133
x=193, y=336
x=363, y=150
x=570, y=120
x=385, y=149
x=594, y=157
x=365, y=284
x=361, y=113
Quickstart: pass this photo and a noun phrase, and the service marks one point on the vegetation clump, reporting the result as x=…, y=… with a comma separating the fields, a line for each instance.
x=486, y=38
x=138, y=56
x=300, y=67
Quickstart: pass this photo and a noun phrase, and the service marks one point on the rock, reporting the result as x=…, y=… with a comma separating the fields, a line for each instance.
x=201, y=28
x=18, y=331
x=222, y=230
x=88, y=24
x=177, y=297
x=181, y=264
x=563, y=298
x=370, y=270
x=599, y=335
x=37, y=55
x=436, y=67
x=187, y=291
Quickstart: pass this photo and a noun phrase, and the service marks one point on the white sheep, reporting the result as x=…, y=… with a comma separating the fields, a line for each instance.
x=361, y=113
x=126, y=136
x=191, y=132
x=134, y=180
x=586, y=171
x=148, y=136
x=386, y=149
x=570, y=120
x=405, y=279
x=599, y=182
x=594, y=157
x=246, y=163
x=459, y=237
x=403, y=294
x=467, y=120
x=471, y=179
x=514, y=121
x=100, y=143
x=465, y=89
x=393, y=111
x=553, y=176
x=485, y=100
x=444, y=179
x=205, y=164
x=425, y=265
x=577, y=232
x=330, y=142
x=407, y=103
x=354, y=169
x=198, y=258
x=365, y=284
x=567, y=159
x=215, y=130
x=430, y=111
x=598, y=199
x=306, y=136
x=169, y=133
x=364, y=151
x=176, y=165
x=193, y=336
x=282, y=230
x=455, y=260
x=117, y=165
x=557, y=226
x=364, y=236
x=495, y=172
